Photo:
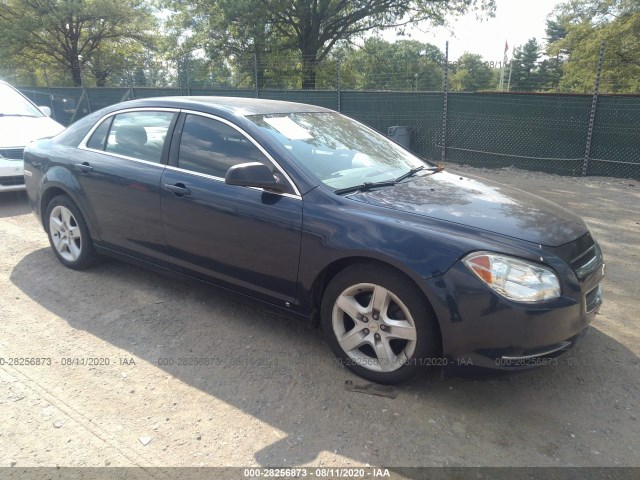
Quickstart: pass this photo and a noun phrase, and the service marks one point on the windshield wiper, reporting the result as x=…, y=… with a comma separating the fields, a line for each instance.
x=16, y=115
x=410, y=173
x=413, y=171
x=389, y=183
x=365, y=186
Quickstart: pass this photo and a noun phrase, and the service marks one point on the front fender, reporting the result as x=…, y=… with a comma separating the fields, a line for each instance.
x=336, y=229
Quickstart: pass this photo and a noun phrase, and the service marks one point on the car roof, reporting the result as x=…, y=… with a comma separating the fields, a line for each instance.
x=240, y=106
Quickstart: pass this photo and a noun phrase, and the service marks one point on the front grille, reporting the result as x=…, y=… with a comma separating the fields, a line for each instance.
x=593, y=299
x=11, y=181
x=12, y=153
x=587, y=262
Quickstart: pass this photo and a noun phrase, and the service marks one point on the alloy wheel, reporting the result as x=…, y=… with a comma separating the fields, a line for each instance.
x=374, y=327
x=65, y=233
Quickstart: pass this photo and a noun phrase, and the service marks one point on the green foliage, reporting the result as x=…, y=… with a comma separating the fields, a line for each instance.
x=472, y=74
x=556, y=30
x=586, y=24
x=233, y=36
x=525, y=74
x=403, y=65
x=73, y=39
x=297, y=36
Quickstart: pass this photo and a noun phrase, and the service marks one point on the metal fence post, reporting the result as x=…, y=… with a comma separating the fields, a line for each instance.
x=86, y=92
x=592, y=116
x=186, y=73
x=338, y=87
x=255, y=74
x=46, y=79
x=445, y=103
x=78, y=106
x=130, y=78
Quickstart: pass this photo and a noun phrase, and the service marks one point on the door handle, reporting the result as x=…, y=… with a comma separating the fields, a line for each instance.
x=84, y=167
x=178, y=189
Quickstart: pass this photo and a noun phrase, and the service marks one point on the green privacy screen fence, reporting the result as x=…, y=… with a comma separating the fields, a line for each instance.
x=552, y=133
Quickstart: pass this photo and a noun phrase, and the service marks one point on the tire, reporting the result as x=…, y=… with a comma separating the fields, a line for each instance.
x=68, y=233
x=379, y=324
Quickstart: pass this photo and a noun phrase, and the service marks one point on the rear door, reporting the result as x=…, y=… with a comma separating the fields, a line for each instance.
x=244, y=238
x=119, y=169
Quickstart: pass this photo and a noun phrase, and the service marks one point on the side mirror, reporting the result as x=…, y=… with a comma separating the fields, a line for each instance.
x=253, y=174
x=45, y=110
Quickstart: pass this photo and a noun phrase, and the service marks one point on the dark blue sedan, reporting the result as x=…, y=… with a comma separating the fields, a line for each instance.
x=402, y=263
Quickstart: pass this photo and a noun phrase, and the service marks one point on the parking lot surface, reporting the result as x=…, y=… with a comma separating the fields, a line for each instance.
x=124, y=367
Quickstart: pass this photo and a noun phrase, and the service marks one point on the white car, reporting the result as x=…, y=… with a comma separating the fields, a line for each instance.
x=21, y=122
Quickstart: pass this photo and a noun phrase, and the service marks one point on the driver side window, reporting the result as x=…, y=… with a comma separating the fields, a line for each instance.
x=211, y=147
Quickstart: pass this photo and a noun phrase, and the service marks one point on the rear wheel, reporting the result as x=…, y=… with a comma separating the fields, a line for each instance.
x=379, y=324
x=68, y=233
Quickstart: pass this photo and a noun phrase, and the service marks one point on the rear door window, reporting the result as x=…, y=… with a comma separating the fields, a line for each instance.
x=138, y=135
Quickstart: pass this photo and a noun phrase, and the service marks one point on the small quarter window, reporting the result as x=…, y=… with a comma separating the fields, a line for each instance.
x=99, y=138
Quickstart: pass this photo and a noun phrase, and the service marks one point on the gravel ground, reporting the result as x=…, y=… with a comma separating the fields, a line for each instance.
x=272, y=394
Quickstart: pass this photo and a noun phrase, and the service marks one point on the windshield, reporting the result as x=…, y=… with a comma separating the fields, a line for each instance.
x=14, y=104
x=339, y=151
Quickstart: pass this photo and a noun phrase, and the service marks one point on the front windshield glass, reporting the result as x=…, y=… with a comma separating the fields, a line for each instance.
x=14, y=104
x=337, y=150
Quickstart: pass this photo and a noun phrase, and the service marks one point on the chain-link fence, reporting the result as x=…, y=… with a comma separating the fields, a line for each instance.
x=504, y=115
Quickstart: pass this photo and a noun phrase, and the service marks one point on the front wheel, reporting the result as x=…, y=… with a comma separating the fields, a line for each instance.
x=379, y=324
x=68, y=233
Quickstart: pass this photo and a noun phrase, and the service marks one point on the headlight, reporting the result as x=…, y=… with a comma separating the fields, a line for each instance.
x=514, y=278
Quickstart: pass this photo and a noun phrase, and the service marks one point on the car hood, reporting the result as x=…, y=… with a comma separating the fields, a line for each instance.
x=482, y=204
x=19, y=131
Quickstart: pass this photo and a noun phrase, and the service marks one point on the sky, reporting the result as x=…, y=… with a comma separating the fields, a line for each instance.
x=515, y=22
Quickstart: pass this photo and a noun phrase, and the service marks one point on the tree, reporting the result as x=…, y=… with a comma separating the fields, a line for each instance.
x=550, y=70
x=524, y=67
x=550, y=73
x=233, y=33
x=471, y=73
x=72, y=34
x=403, y=65
x=314, y=27
x=586, y=23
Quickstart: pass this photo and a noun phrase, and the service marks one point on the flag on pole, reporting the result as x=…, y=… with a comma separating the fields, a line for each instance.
x=504, y=62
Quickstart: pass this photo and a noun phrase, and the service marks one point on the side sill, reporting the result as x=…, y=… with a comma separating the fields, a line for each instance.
x=242, y=297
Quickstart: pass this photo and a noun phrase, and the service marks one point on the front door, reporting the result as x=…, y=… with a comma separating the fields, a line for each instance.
x=244, y=238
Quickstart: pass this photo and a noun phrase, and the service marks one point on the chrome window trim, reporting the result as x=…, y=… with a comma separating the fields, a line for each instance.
x=252, y=140
x=132, y=159
x=83, y=146
x=83, y=143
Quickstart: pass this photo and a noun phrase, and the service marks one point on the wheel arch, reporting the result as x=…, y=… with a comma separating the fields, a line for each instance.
x=47, y=196
x=328, y=273
x=53, y=190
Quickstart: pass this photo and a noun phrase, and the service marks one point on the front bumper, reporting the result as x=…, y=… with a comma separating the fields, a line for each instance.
x=11, y=175
x=481, y=328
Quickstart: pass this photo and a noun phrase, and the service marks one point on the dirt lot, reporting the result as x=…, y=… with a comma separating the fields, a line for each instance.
x=273, y=394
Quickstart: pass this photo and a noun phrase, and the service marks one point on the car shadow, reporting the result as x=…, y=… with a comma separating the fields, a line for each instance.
x=281, y=372
x=13, y=204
